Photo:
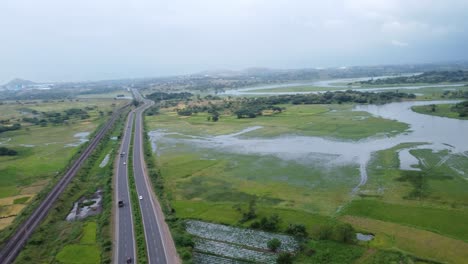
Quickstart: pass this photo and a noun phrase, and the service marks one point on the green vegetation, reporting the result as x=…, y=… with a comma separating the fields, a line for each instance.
x=86, y=251
x=274, y=244
x=410, y=241
x=7, y=152
x=444, y=110
x=288, y=89
x=337, y=121
x=426, y=77
x=42, y=152
x=253, y=107
x=448, y=222
x=10, y=128
x=21, y=200
x=309, y=199
x=88, y=242
x=329, y=252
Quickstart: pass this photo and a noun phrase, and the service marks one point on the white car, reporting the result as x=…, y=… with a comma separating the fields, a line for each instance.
x=141, y=197
x=125, y=163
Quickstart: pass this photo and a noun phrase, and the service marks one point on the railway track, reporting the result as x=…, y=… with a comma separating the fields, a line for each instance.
x=13, y=246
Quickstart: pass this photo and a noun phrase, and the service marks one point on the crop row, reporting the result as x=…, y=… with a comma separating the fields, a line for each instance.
x=247, y=237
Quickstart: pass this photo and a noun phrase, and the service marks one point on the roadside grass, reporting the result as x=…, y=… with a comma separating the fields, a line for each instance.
x=86, y=251
x=392, y=236
x=79, y=254
x=55, y=234
x=334, y=121
x=442, y=110
x=89, y=233
x=451, y=223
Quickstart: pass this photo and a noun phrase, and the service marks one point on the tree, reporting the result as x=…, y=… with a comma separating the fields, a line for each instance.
x=251, y=213
x=274, y=244
x=297, y=230
x=285, y=258
x=344, y=233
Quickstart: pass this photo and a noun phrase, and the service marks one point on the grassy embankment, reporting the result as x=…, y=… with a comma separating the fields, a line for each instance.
x=442, y=110
x=71, y=242
x=43, y=152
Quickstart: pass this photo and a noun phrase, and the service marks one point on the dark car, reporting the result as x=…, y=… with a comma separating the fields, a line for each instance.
x=121, y=203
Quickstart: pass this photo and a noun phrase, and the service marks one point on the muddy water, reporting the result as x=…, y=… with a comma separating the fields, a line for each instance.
x=436, y=133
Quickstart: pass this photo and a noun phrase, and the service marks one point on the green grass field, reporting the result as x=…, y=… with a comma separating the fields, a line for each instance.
x=335, y=121
x=447, y=222
x=442, y=110
x=43, y=151
x=86, y=251
x=82, y=241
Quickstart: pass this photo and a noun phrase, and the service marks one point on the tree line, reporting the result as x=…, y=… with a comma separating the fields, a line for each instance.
x=426, y=77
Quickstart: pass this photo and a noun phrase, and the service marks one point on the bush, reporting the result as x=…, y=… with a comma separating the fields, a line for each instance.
x=268, y=224
x=297, y=230
x=274, y=244
x=7, y=152
x=284, y=258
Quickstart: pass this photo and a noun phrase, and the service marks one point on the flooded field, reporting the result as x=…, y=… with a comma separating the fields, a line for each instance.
x=435, y=133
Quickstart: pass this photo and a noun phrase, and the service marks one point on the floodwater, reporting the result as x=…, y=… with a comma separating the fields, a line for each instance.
x=336, y=84
x=436, y=133
x=82, y=138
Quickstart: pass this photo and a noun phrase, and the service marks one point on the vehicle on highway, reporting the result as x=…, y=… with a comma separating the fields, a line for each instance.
x=122, y=154
x=129, y=260
x=125, y=163
x=121, y=203
x=141, y=197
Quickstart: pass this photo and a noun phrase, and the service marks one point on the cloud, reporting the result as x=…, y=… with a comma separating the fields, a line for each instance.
x=399, y=43
x=89, y=39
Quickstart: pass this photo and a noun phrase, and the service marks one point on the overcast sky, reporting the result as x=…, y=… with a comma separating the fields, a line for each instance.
x=62, y=40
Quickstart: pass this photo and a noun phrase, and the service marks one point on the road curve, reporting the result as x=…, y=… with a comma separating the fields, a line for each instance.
x=16, y=242
x=124, y=228
x=159, y=243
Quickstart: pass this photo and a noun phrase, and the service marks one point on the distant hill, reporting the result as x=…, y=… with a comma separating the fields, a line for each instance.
x=18, y=83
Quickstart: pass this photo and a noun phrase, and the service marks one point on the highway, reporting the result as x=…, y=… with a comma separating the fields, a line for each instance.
x=16, y=242
x=159, y=243
x=124, y=231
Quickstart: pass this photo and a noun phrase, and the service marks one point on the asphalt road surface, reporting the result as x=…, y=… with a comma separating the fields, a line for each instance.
x=125, y=236
x=159, y=243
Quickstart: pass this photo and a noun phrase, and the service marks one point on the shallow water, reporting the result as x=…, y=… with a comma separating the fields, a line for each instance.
x=436, y=133
x=335, y=84
x=82, y=138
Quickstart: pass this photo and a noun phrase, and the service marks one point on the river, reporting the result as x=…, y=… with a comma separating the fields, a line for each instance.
x=329, y=85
